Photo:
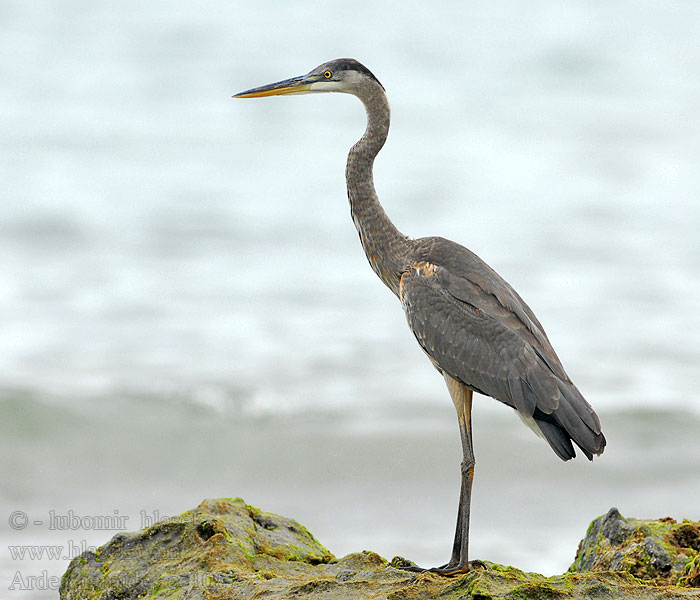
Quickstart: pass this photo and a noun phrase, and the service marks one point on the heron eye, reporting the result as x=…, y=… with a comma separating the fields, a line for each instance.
x=327, y=74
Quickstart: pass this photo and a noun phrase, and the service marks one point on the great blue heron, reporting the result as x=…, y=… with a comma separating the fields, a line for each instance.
x=475, y=328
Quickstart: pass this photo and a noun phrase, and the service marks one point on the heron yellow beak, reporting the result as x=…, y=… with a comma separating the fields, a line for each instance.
x=295, y=85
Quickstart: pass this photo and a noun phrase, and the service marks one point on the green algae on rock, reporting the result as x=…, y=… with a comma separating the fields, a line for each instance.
x=659, y=551
x=228, y=550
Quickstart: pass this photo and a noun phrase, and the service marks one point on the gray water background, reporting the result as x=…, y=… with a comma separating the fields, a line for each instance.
x=185, y=310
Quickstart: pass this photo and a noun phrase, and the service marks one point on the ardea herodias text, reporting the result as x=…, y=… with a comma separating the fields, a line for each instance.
x=475, y=328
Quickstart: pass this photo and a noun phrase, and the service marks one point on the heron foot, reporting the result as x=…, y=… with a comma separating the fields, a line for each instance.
x=399, y=562
x=447, y=570
x=450, y=570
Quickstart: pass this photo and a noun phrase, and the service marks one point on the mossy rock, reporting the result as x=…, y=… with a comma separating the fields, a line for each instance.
x=660, y=552
x=228, y=550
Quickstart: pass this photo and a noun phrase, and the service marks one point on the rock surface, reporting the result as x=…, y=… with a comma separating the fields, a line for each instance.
x=662, y=552
x=225, y=550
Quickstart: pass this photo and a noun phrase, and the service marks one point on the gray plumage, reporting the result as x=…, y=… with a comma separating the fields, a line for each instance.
x=475, y=328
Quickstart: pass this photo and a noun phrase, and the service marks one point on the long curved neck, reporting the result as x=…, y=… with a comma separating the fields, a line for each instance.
x=387, y=249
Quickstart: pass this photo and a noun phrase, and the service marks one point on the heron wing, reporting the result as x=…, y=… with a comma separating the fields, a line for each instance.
x=477, y=329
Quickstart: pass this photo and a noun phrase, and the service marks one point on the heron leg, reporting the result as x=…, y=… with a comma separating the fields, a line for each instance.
x=459, y=561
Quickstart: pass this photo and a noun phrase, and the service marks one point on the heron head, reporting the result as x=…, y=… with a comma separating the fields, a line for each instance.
x=340, y=75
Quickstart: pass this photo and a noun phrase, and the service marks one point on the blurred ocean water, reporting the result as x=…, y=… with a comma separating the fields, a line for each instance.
x=186, y=311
